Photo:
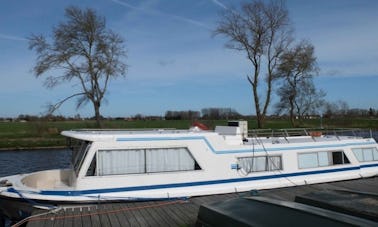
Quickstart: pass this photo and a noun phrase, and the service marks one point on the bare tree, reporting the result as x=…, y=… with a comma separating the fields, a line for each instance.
x=297, y=67
x=263, y=32
x=334, y=109
x=82, y=51
x=310, y=101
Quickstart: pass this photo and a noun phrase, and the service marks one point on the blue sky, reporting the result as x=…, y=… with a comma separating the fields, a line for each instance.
x=176, y=64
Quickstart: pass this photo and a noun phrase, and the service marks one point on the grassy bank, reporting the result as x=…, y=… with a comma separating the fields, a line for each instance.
x=18, y=135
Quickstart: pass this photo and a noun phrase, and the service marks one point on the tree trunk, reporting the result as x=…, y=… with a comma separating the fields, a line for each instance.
x=97, y=114
x=260, y=117
x=260, y=120
x=292, y=120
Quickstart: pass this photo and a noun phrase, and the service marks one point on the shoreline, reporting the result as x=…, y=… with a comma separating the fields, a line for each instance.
x=32, y=148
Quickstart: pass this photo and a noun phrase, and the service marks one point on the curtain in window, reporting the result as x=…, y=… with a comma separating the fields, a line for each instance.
x=260, y=163
x=112, y=162
x=246, y=164
x=368, y=154
x=274, y=163
x=169, y=159
x=375, y=154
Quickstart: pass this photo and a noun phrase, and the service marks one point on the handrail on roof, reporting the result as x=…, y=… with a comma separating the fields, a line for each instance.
x=314, y=132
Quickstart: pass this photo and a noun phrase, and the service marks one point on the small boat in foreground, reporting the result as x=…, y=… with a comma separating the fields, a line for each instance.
x=119, y=165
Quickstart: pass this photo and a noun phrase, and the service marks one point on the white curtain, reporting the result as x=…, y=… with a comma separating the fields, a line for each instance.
x=259, y=164
x=368, y=154
x=274, y=163
x=112, y=162
x=375, y=154
x=246, y=164
x=169, y=159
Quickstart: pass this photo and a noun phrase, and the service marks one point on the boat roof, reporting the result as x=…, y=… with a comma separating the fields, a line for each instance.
x=101, y=135
x=273, y=138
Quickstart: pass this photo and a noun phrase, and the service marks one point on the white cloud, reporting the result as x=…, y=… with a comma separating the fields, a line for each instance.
x=160, y=13
x=220, y=4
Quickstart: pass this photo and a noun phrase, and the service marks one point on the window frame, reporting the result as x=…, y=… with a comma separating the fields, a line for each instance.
x=363, y=149
x=79, y=149
x=197, y=167
x=331, y=160
x=267, y=163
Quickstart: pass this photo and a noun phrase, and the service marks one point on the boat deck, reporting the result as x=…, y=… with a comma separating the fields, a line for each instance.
x=184, y=212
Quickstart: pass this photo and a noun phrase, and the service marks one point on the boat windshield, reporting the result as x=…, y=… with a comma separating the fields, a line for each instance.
x=79, y=150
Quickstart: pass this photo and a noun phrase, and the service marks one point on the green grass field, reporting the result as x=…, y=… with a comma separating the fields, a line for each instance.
x=17, y=135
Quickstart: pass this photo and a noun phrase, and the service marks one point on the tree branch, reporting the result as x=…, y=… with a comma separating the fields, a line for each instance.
x=52, y=108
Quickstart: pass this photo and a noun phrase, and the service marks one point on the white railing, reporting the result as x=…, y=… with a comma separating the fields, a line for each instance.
x=287, y=135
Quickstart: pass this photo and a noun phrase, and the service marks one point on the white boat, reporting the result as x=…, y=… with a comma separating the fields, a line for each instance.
x=120, y=165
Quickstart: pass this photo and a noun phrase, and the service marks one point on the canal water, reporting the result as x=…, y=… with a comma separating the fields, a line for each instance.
x=26, y=161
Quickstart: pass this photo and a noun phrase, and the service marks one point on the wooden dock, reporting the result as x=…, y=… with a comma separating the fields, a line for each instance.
x=178, y=212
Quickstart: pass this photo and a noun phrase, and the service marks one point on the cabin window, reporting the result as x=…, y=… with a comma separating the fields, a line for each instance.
x=162, y=160
x=260, y=163
x=112, y=162
x=366, y=154
x=152, y=160
x=79, y=150
x=320, y=159
x=92, y=168
x=309, y=160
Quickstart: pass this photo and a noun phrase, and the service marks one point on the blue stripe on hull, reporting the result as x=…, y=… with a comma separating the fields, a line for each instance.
x=200, y=183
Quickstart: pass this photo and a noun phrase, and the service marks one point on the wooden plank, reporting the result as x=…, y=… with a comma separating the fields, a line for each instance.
x=94, y=216
x=160, y=216
x=68, y=221
x=77, y=222
x=59, y=221
x=185, y=213
x=104, y=219
x=119, y=215
x=86, y=219
x=172, y=218
x=47, y=220
x=131, y=220
x=191, y=209
x=134, y=209
x=182, y=218
x=110, y=211
x=165, y=212
x=155, y=219
x=148, y=219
